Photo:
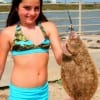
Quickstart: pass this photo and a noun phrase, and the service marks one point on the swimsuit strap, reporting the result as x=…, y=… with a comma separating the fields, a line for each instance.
x=18, y=33
x=18, y=29
x=43, y=30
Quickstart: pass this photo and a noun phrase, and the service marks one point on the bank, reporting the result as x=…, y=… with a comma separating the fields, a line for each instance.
x=73, y=6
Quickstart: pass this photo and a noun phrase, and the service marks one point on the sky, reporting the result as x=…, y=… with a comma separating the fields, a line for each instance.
x=68, y=0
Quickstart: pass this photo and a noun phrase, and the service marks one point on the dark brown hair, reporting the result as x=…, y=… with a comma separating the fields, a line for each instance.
x=13, y=17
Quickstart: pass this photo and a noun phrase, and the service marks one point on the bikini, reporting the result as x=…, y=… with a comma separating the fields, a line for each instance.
x=21, y=45
x=36, y=93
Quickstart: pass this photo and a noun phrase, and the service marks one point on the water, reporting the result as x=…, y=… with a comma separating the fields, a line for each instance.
x=90, y=20
x=87, y=18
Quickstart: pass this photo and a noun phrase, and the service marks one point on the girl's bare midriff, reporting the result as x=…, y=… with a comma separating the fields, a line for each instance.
x=30, y=70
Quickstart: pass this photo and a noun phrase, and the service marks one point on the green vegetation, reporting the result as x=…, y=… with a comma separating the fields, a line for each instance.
x=72, y=6
x=4, y=8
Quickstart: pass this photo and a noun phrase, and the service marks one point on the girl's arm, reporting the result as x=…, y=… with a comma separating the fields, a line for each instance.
x=4, y=48
x=55, y=42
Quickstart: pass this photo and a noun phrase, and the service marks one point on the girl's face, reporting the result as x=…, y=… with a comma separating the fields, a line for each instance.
x=29, y=11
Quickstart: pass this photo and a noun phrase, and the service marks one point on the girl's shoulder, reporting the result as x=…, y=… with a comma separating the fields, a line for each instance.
x=8, y=30
x=8, y=33
x=48, y=24
x=50, y=27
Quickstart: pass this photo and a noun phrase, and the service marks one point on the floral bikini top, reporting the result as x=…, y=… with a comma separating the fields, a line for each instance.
x=21, y=45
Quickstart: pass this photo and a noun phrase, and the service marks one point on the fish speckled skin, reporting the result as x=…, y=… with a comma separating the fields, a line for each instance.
x=78, y=71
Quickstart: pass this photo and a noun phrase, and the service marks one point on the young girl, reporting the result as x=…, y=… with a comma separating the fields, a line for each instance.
x=28, y=36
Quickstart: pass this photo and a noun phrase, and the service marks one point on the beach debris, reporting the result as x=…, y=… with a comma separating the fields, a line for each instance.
x=98, y=41
x=78, y=71
x=94, y=45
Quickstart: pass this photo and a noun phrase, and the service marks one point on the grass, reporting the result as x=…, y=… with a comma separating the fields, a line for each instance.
x=5, y=8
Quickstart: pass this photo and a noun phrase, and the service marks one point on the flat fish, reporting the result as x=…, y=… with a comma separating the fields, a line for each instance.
x=78, y=71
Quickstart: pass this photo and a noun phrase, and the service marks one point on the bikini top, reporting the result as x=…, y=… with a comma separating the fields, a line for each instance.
x=21, y=45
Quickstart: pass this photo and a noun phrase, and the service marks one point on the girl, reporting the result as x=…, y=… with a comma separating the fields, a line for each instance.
x=28, y=36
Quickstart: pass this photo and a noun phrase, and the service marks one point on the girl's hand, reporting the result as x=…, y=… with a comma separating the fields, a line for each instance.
x=65, y=48
x=73, y=35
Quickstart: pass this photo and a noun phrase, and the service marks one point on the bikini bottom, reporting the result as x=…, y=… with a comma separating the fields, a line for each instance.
x=37, y=93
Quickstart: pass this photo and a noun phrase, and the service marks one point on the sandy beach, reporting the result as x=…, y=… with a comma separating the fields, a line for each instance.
x=55, y=87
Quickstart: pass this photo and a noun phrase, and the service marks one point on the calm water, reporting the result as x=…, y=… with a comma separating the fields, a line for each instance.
x=88, y=17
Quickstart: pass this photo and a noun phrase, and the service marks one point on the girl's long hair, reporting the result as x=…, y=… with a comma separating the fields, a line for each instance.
x=13, y=17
